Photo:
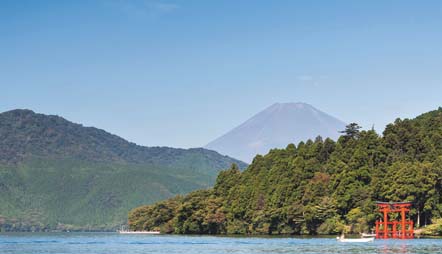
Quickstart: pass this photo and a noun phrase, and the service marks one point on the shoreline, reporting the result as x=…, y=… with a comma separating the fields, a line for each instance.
x=209, y=235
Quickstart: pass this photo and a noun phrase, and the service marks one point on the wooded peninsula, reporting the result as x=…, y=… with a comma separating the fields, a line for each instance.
x=317, y=187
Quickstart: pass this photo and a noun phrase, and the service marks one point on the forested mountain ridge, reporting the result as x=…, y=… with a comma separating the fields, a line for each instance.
x=55, y=174
x=25, y=134
x=317, y=187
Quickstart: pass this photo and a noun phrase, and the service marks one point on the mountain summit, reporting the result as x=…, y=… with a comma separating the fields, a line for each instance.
x=275, y=127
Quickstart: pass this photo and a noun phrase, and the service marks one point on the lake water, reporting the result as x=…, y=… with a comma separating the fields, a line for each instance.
x=110, y=243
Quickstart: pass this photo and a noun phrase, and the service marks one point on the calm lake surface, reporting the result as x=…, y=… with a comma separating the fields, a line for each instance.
x=110, y=243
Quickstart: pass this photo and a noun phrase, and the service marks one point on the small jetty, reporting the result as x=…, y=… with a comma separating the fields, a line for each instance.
x=139, y=232
x=125, y=230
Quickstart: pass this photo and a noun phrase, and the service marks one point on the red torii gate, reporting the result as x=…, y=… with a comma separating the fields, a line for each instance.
x=390, y=229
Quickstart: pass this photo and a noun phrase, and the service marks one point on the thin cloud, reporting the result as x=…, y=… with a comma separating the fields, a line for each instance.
x=304, y=78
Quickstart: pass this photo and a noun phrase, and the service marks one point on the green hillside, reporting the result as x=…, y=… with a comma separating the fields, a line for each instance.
x=55, y=174
x=316, y=187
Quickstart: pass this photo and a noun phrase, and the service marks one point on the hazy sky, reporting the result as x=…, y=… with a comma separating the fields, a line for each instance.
x=181, y=73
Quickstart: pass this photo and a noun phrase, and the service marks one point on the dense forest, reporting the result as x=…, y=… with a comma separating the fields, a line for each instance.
x=317, y=187
x=59, y=175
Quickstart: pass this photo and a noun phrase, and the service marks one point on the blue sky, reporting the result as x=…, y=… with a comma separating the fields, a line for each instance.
x=181, y=73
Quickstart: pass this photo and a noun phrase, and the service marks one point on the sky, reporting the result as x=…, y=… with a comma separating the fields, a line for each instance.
x=182, y=73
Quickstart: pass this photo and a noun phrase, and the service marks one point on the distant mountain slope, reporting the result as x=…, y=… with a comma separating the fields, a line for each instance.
x=275, y=127
x=55, y=173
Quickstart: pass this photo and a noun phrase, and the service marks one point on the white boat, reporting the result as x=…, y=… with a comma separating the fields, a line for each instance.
x=368, y=235
x=363, y=239
x=355, y=240
x=139, y=232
